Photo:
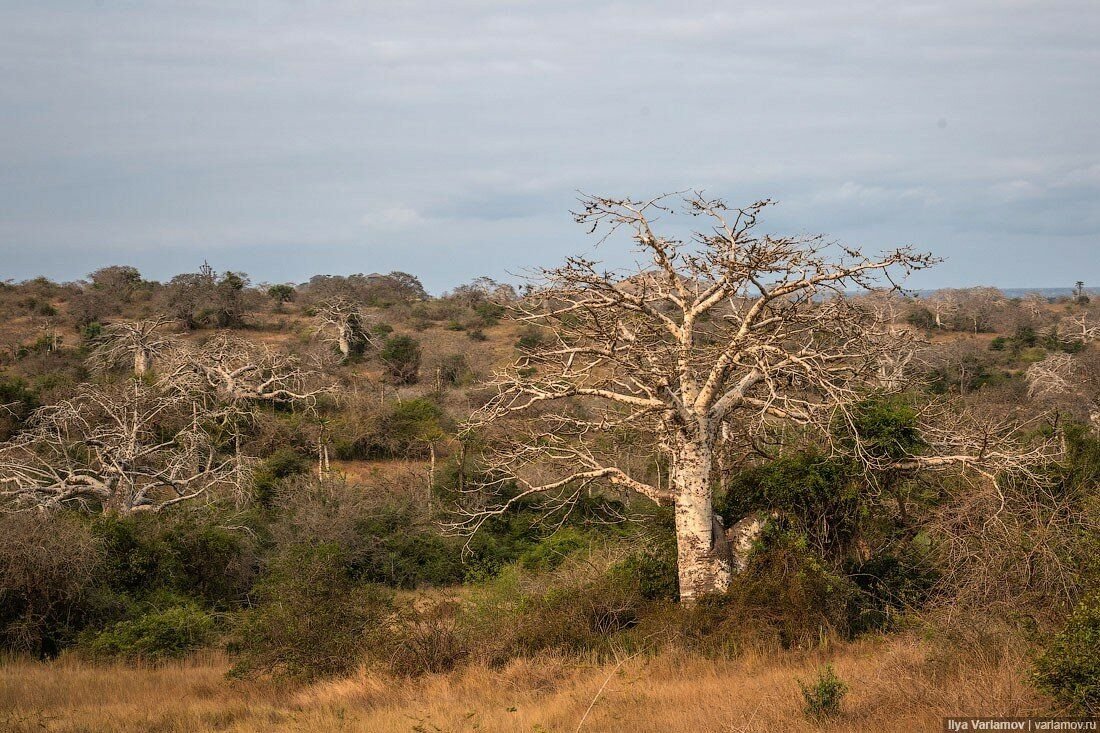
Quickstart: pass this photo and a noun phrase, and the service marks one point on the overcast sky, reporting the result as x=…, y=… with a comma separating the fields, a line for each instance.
x=448, y=139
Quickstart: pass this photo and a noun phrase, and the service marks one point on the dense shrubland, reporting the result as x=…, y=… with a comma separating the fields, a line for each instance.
x=337, y=552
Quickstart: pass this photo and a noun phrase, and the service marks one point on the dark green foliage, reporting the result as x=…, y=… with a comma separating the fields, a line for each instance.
x=19, y=402
x=281, y=464
x=410, y=425
x=811, y=492
x=821, y=699
x=921, y=317
x=790, y=589
x=530, y=338
x=1069, y=667
x=156, y=635
x=403, y=429
x=401, y=357
x=398, y=552
x=889, y=585
x=381, y=330
x=652, y=568
x=489, y=313
x=92, y=331
x=885, y=428
x=1025, y=337
x=186, y=554
x=310, y=617
x=281, y=294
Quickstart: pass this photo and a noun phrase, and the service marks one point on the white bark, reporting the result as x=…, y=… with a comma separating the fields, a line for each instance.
x=141, y=361
x=703, y=559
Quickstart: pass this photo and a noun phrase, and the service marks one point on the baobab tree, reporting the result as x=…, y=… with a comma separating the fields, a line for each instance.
x=136, y=343
x=342, y=322
x=1069, y=384
x=730, y=328
x=944, y=304
x=123, y=449
x=235, y=370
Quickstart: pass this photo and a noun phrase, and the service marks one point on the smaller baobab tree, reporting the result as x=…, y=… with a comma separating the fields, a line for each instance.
x=136, y=344
x=342, y=322
x=1069, y=384
x=123, y=449
x=235, y=370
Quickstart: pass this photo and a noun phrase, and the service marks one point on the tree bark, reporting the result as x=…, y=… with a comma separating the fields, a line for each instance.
x=141, y=361
x=703, y=557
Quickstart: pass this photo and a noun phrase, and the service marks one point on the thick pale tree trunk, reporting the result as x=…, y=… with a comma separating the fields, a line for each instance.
x=141, y=362
x=702, y=554
x=344, y=344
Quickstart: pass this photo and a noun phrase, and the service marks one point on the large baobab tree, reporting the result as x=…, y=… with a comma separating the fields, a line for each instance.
x=730, y=328
x=134, y=343
x=124, y=449
x=341, y=322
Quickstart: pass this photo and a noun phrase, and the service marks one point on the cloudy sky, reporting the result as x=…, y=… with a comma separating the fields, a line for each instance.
x=449, y=139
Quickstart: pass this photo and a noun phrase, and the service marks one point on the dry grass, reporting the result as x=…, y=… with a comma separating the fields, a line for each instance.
x=897, y=685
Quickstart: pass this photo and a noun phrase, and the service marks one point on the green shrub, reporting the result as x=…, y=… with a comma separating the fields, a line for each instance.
x=281, y=464
x=310, y=619
x=1069, y=668
x=653, y=568
x=889, y=585
x=580, y=607
x=488, y=312
x=530, y=338
x=399, y=551
x=821, y=699
x=553, y=550
x=401, y=356
x=167, y=634
x=815, y=494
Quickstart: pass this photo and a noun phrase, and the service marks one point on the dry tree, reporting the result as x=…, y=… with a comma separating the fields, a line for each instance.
x=235, y=370
x=731, y=329
x=136, y=344
x=1069, y=384
x=124, y=449
x=342, y=322
x=725, y=335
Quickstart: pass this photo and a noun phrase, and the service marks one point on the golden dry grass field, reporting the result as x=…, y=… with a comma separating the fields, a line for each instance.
x=897, y=684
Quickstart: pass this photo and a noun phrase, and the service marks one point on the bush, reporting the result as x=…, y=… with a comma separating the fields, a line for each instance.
x=1069, y=668
x=49, y=567
x=168, y=634
x=580, y=609
x=813, y=493
x=401, y=356
x=821, y=700
x=454, y=369
x=311, y=619
x=530, y=338
x=281, y=464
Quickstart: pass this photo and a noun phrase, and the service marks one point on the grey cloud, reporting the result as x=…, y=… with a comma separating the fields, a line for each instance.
x=449, y=139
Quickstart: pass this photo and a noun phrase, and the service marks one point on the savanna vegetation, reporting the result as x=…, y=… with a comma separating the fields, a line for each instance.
x=752, y=485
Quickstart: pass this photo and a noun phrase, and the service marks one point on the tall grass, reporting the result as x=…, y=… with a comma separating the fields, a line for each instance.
x=897, y=684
